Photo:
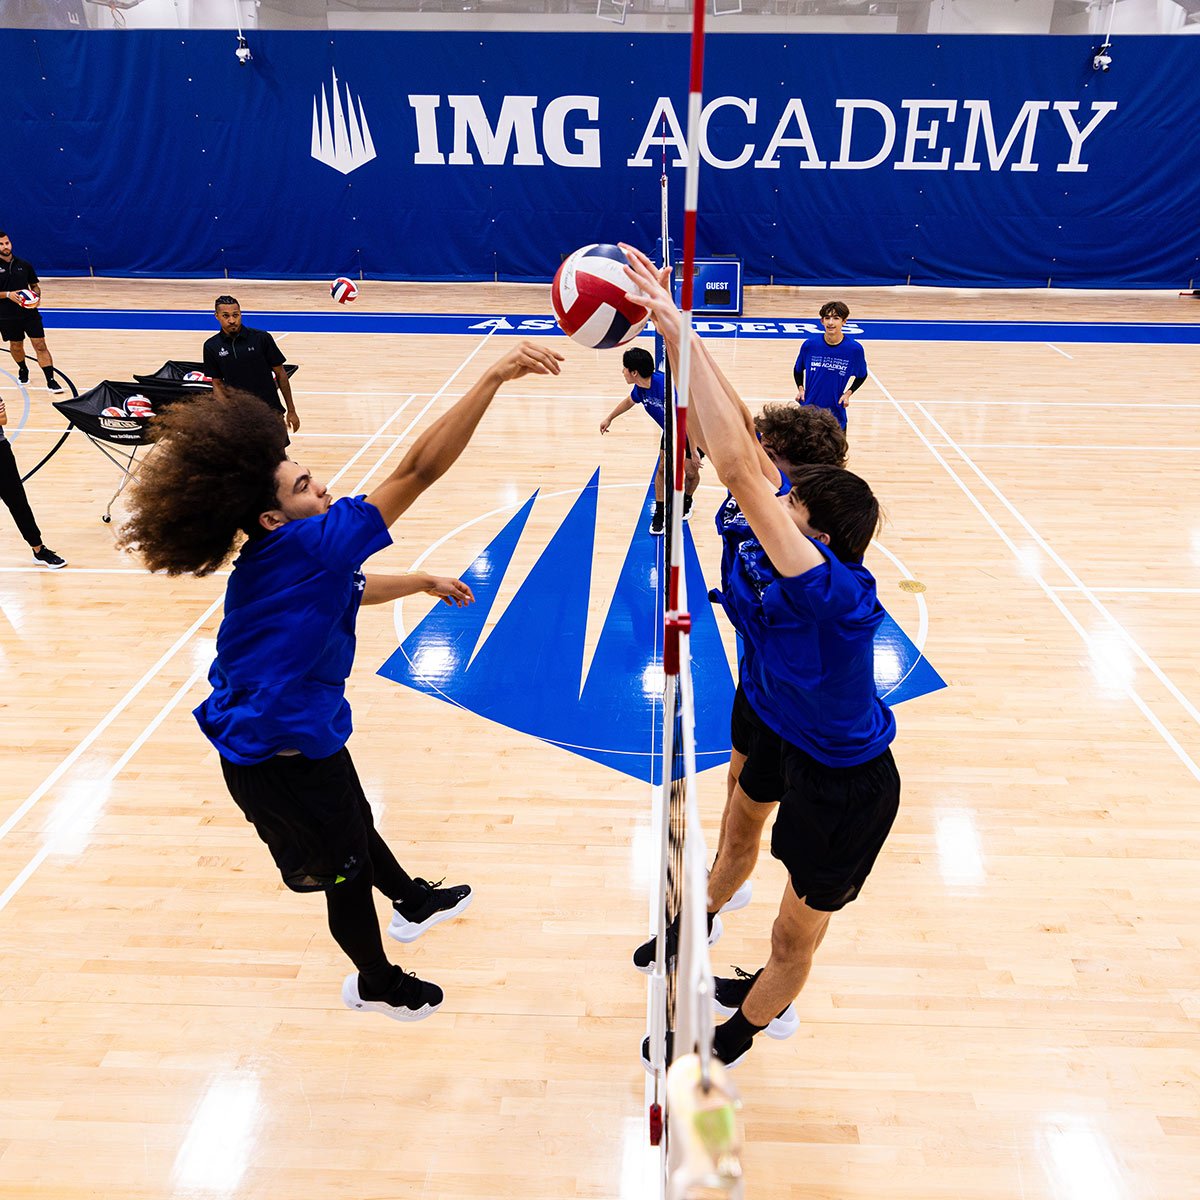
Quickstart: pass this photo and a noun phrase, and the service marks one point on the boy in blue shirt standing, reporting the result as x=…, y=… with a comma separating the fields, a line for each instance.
x=806, y=605
x=831, y=368
x=278, y=714
x=649, y=390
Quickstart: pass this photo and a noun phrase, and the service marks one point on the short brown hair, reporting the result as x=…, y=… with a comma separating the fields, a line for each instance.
x=211, y=475
x=834, y=308
x=802, y=434
x=840, y=504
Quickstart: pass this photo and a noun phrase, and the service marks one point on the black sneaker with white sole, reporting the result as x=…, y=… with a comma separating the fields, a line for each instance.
x=436, y=905
x=657, y=526
x=22, y=374
x=408, y=999
x=728, y=995
x=47, y=558
x=643, y=956
x=733, y=1061
x=55, y=387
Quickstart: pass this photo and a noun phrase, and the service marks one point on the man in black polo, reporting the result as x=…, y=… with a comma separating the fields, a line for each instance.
x=247, y=359
x=18, y=322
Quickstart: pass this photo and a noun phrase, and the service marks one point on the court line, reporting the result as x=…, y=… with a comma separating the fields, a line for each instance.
x=83, y=746
x=97, y=790
x=1137, y=591
x=1049, y=591
x=1062, y=352
x=1125, y=449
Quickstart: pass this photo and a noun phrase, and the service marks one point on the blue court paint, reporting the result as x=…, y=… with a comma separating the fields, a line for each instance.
x=528, y=673
x=789, y=329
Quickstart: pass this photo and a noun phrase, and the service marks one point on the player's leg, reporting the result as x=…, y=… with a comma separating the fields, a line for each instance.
x=14, y=335
x=691, y=481
x=417, y=904
x=45, y=361
x=745, y=819
x=657, y=521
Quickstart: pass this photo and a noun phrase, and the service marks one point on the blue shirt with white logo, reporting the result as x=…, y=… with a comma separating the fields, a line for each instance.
x=653, y=398
x=827, y=372
x=809, y=670
x=286, y=643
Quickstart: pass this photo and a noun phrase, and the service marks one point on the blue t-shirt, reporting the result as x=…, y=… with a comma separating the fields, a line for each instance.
x=286, y=643
x=653, y=398
x=828, y=370
x=809, y=671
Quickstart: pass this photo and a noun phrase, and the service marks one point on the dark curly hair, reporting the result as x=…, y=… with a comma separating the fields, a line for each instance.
x=212, y=473
x=840, y=504
x=802, y=434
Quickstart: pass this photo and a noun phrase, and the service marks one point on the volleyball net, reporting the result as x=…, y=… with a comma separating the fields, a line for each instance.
x=693, y=1107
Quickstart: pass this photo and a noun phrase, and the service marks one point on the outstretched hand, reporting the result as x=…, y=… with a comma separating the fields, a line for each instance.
x=454, y=592
x=650, y=290
x=528, y=358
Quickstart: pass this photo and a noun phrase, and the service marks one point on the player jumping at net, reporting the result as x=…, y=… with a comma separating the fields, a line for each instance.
x=278, y=714
x=807, y=608
x=649, y=389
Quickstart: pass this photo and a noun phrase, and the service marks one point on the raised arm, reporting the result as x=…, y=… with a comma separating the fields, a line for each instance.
x=731, y=445
x=382, y=588
x=438, y=448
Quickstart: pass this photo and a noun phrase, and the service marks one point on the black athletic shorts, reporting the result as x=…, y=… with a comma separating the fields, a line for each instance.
x=832, y=823
x=25, y=323
x=762, y=774
x=687, y=449
x=311, y=813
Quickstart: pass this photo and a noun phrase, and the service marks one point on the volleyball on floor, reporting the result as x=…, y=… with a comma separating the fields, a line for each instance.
x=588, y=295
x=343, y=290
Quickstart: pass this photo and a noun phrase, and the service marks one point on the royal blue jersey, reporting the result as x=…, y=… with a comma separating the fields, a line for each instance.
x=286, y=644
x=809, y=670
x=653, y=398
x=828, y=370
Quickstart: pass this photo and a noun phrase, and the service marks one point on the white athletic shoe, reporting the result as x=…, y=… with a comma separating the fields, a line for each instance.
x=729, y=994
x=740, y=898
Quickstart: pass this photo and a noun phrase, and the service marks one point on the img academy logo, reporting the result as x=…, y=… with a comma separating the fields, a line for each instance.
x=342, y=141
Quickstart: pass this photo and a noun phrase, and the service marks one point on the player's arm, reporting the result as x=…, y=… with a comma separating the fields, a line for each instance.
x=438, y=448
x=382, y=588
x=212, y=368
x=285, y=387
x=3, y=414
x=623, y=407
x=855, y=384
x=733, y=448
x=798, y=376
x=769, y=470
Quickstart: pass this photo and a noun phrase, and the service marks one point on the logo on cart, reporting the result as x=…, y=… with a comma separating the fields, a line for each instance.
x=341, y=141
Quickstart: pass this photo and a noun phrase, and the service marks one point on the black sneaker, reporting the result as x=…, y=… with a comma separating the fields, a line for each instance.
x=687, y=508
x=22, y=374
x=439, y=904
x=728, y=995
x=48, y=558
x=408, y=999
x=643, y=956
x=55, y=387
x=732, y=1062
x=656, y=521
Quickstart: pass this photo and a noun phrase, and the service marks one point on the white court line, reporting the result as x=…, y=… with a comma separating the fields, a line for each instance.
x=1137, y=591
x=98, y=790
x=1050, y=592
x=146, y=679
x=1062, y=352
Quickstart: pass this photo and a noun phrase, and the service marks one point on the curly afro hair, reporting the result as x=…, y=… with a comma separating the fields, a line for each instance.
x=802, y=434
x=211, y=475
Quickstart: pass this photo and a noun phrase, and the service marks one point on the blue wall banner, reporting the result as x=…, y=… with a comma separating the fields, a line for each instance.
x=467, y=155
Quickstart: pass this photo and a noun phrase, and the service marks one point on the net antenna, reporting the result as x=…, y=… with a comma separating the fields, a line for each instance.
x=701, y=1127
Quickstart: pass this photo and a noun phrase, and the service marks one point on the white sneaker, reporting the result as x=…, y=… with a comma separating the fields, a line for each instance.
x=729, y=994
x=740, y=898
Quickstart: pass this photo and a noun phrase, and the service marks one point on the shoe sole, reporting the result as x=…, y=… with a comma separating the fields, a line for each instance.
x=780, y=1028
x=50, y=566
x=408, y=931
x=352, y=1000
x=714, y=936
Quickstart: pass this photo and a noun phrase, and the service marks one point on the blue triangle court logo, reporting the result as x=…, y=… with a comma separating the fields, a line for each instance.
x=528, y=673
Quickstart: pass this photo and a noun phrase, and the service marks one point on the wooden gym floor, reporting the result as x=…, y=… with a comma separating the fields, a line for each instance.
x=1011, y=1009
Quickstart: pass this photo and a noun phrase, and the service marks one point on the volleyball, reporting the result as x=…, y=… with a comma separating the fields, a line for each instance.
x=196, y=377
x=343, y=290
x=588, y=295
x=27, y=298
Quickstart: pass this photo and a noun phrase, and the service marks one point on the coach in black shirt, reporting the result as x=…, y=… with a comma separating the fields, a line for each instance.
x=18, y=322
x=247, y=360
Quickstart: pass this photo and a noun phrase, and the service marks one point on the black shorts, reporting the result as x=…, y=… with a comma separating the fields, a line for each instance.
x=26, y=322
x=761, y=777
x=311, y=813
x=687, y=449
x=832, y=823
